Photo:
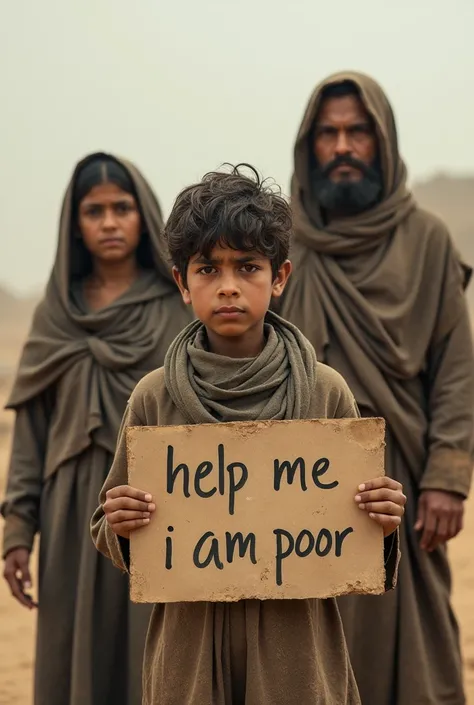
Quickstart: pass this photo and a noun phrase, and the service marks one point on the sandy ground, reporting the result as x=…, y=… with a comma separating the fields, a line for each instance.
x=17, y=625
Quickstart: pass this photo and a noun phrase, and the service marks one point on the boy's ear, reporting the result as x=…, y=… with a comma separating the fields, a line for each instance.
x=281, y=278
x=181, y=285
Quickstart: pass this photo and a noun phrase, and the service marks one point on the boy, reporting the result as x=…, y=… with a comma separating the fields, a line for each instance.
x=229, y=237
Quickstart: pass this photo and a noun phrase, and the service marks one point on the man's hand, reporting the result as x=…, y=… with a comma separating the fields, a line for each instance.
x=127, y=509
x=383, y=498
x=17, y=574
x=440, y=517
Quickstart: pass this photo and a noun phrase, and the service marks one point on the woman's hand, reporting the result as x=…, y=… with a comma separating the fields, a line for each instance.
x=17, y=575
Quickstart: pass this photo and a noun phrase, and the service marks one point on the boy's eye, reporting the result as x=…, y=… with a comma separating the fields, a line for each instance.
x=250, y=268
x=207, y=269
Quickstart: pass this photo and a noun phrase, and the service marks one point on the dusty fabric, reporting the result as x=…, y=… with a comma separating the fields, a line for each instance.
x=380, y=296
x=96, y=358
x=85, y=613
x=76, y=373
x=276, y=652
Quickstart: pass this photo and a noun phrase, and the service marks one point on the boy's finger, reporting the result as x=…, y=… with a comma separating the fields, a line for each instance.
x=386, y=520
x=127, y=491
x=381, y=495
x=127, y=503
x=125, y=527
x=380, y=482
x=388, y=508
x=124, y=515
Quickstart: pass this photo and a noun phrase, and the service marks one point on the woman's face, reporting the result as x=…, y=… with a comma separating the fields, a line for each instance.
x=109, y=222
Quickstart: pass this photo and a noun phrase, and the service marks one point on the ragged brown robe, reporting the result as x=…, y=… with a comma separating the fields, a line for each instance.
x=380, y=296
x=76, y=373
x=277, y=652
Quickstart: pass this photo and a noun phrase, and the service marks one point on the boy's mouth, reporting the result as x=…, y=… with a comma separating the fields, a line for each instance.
x=229, y=311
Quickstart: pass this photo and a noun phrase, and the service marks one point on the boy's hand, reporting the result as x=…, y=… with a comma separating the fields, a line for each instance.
x=383, y=498
x=127, y=509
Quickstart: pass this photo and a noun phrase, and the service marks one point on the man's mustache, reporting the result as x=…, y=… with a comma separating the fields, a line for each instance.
x=347, y=160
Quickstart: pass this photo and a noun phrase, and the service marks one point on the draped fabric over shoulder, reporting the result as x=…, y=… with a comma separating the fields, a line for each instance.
x=97, y=357
x=76, y=373
x=381, y=297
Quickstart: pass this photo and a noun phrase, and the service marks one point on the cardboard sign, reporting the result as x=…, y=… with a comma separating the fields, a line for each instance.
x=261, y=510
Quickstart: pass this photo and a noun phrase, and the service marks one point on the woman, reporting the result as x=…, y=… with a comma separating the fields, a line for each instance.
x=108, y=315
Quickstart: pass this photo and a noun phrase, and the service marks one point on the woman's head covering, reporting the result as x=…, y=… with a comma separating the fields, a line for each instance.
x=93, y=359
x=70, y=259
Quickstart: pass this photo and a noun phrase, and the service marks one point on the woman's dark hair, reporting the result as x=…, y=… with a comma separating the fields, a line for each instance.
x=233, y=209
x=103, y=169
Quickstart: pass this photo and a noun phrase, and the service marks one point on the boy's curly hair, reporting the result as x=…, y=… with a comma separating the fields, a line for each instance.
x=232, y=209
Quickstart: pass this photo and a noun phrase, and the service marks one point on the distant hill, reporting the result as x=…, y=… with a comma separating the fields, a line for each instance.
x=15, y=318
x=15, y=310
x=452, y=199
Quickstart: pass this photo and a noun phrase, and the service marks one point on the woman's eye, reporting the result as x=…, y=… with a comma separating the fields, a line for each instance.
x=93, y=211
x=123, y=208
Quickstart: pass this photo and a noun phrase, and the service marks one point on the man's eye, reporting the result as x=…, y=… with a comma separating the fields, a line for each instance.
x=360, y=130
x=325, y=132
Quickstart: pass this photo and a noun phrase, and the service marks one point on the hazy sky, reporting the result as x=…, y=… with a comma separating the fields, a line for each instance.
x=180, y=86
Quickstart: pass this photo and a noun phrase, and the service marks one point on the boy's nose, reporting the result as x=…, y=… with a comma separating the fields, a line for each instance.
x=228, y=287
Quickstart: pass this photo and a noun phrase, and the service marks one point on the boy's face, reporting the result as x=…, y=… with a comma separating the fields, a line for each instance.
x=230, y=294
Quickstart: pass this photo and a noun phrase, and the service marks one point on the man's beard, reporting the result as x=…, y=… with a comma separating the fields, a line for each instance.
x=346, y=197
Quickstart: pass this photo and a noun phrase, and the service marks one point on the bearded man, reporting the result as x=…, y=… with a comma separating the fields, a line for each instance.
x=378, y=288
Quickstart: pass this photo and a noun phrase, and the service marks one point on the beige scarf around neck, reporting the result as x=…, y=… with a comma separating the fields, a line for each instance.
x=277, y=384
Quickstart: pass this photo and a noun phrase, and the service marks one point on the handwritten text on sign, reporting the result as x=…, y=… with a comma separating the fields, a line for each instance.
x=256, y=510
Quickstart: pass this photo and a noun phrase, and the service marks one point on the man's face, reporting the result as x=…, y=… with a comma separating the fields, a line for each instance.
x=345, y=179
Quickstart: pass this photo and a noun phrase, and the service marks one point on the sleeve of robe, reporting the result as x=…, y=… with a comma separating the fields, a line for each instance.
x=106, y=541
x=347, y=408
x=20, y=507
x=451, y=393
